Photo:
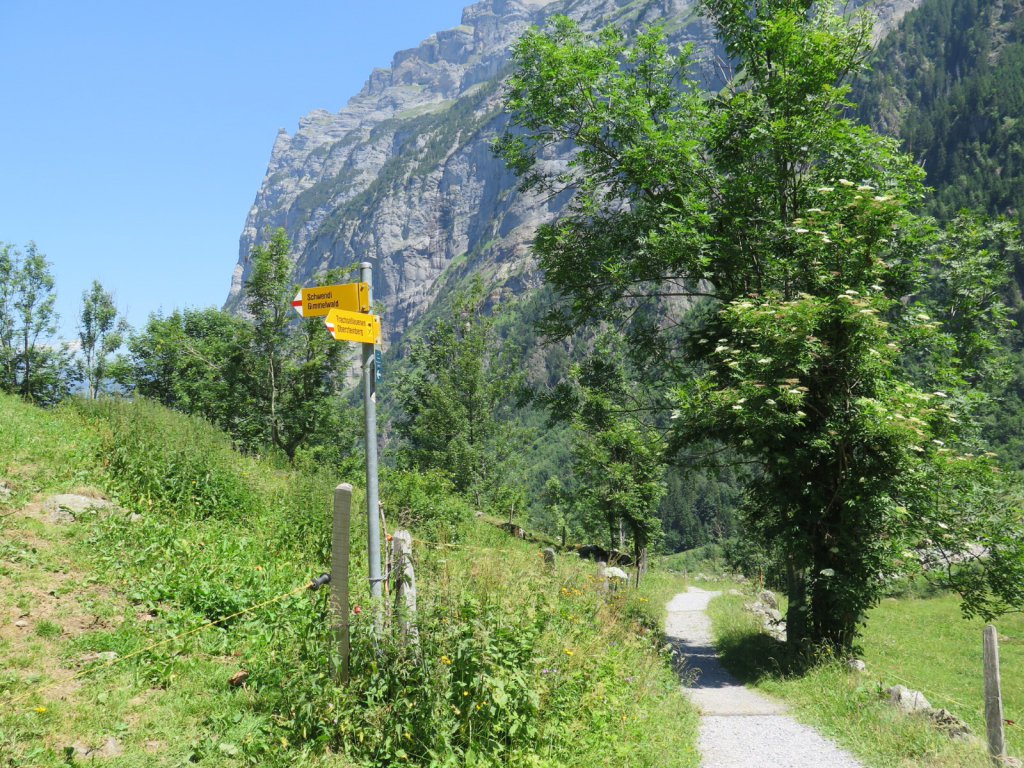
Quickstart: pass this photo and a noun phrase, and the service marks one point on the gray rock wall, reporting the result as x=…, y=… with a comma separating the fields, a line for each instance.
x=404, y=177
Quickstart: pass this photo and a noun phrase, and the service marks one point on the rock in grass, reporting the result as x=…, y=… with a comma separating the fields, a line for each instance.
x=856, y=665
x=239, y=678
x=104, y=656
x=65, y=506
x=767, y=597
x=907, y=700
x=950, y=724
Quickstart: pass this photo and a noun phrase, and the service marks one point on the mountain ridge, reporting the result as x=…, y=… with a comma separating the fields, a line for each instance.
x=403, y=176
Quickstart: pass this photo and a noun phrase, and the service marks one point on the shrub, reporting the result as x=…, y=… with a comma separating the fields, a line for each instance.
x=178, y=465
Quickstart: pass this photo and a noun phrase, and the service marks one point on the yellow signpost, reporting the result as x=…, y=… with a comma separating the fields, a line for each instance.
x=346, y=313
x=318, y=302
x=353, y=326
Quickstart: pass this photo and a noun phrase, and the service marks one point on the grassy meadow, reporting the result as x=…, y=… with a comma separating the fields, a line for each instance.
x=923, y=643
x=515, y=665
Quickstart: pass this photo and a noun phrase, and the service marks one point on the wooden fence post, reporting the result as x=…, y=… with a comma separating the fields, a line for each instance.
x=405, y=584
x=339, y=579
x=993, y=697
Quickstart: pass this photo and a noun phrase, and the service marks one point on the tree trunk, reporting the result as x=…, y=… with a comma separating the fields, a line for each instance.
x=796, y=614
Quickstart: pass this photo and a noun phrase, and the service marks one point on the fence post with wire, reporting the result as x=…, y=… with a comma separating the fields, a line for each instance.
x=404, y=579
x=993, y=697
x=340, y=544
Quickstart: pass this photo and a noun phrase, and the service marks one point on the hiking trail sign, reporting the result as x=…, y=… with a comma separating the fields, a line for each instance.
x=353, y=326
x=319, y=302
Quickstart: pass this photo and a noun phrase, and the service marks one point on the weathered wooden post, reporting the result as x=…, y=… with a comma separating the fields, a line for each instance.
x=993, y=697
x=339, y=579
x=405, y=584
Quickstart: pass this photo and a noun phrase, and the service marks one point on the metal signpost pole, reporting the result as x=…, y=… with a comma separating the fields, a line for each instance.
x=370, y=410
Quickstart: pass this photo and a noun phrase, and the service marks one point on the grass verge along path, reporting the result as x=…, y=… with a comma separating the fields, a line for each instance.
x=846, y=706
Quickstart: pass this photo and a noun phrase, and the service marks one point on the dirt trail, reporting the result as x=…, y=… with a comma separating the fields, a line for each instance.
x=739, y=728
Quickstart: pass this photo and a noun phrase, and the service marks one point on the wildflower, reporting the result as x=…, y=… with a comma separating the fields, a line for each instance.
x=826, y=189
x=357, y=609
x=41, y=710
x=445, y=660
x=865, y=188
x=569, y=651
x=465, y=693
x=800, y=231
x=846, y=183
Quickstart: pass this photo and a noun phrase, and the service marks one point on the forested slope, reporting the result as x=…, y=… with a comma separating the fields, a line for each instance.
x=950, y=83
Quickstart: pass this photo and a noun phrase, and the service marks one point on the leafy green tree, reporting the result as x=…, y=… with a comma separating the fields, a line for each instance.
x=198, y=361
x=101, y=333
x=298, y=364
x=796, y=225
x=31, y=364
x=453, y=405
x=268, y=380
x=618, y=466
x=8, y=355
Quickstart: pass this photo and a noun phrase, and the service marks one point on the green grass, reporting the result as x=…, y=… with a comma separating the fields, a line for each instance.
x=925, y=642
x=927, y=645
x=515, y=665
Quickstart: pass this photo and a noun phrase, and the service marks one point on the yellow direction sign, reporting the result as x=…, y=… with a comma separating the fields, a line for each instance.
x=318, y=302
x=353, y=326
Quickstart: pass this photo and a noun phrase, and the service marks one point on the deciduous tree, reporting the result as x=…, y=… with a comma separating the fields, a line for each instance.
x=101, y=333
x=797, y=227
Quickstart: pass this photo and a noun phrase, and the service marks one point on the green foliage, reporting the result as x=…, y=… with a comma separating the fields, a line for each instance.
x=198, y=361
x=797, y=225
x=294, y=369
x=30, y=364
x=101, y=334
x=271, y=381
x=169, y=463
x=424, y=501
x=453, y=401
x=948, y=83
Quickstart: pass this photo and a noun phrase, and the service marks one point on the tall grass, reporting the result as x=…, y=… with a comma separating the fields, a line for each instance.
x=515, y=665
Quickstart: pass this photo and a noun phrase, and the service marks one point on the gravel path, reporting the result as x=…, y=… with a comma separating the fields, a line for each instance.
x=739, y=728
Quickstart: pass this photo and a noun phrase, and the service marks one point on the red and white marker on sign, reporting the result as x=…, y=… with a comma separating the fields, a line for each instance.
x=297, y=302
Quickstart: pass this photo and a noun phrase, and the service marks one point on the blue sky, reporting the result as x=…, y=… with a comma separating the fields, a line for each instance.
x=135, y=134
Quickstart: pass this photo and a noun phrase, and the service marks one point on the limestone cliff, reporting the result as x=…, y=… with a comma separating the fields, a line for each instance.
x=404, y=176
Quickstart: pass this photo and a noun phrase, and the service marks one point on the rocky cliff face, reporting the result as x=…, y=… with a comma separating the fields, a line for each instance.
x=404, y=176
